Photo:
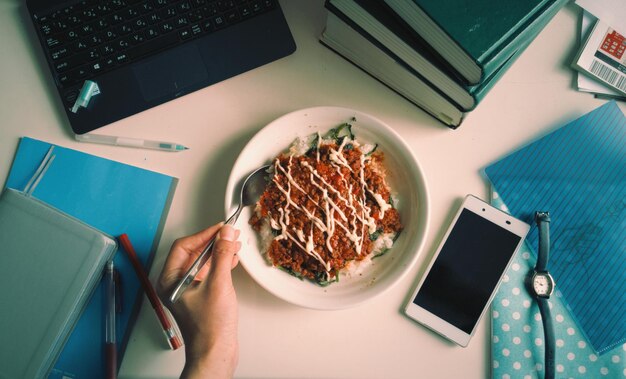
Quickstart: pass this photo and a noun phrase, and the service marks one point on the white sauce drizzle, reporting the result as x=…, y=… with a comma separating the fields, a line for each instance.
x=356, y=222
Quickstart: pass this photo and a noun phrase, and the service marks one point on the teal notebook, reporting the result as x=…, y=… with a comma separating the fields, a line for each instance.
x=578, y=174
x=475, y=37
x=115, y=198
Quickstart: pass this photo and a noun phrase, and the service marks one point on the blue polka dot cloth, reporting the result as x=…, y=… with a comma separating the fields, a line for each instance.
x=517, y=345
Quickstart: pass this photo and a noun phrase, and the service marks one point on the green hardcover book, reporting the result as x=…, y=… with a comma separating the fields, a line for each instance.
x=473, y=36
x=348, y=39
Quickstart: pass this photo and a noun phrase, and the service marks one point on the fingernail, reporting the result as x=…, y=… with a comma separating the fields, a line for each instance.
x=227, y=233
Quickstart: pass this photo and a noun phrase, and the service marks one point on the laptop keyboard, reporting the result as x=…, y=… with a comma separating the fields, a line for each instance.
x=92, y=37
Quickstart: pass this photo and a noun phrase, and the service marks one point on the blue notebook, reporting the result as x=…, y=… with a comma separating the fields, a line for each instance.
x=115, y=198
x=517, y=342
x=578, y=174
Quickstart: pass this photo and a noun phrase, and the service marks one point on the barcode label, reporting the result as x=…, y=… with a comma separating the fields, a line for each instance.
x=607, y=74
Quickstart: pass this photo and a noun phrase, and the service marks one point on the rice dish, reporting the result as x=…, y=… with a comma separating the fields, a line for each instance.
x=326, y=207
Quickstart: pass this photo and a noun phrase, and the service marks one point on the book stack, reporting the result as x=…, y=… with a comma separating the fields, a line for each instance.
x=444, y=56
x=601, y=60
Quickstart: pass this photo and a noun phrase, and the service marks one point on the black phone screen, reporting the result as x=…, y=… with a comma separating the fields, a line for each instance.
x=466, y=271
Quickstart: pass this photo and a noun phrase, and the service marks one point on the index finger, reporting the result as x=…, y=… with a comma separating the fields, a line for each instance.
x=184, y=251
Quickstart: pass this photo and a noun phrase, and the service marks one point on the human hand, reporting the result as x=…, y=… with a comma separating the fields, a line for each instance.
x=207, y=312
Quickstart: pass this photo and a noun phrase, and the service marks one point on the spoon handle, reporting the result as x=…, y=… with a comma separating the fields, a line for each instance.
x=204, y=256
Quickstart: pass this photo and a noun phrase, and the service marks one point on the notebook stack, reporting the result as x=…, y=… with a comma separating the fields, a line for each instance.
x=444, y=56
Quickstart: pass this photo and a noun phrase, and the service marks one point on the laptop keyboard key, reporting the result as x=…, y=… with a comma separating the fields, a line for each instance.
x=74, y=21
x=62, y=66
x=185, y=33
x=120, y=58
x=108, y=35
x=115, y=18
x=59, y=26
x=168, y=12
x=64, y=79
x=124, y=29
x=166, y=27
x=70, y=35
x=210, y=10
x=108, y=63
x=122, y=43
x=196, y=29
x=93, y=40
x=96, y=68
x=245, y=11
x=52, y=42
x=154, y=45
x=59, y=53
x=184, y=7
x=152, y=32
x=154, y=18
x=232, y=16
x=198, y=3
x=46, y=29
x=146, y=8
x=181, y=21
x=107, y=49
x=140, y=23
x=195, y=15
x=85, y=30
x=80, y=46
x=89, y=14
x=207, y=26
x=137, y=38
x=93, y=54
x=218, y=22
x=101, y=24
x=159, y=3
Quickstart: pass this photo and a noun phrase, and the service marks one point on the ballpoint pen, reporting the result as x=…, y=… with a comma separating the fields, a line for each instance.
x=169, y=327
x=110, y=342
x=129, y=142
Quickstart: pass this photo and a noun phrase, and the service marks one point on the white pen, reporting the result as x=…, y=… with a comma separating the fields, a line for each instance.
x=129, y=142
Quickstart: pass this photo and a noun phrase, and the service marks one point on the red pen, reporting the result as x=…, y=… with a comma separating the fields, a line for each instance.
x=168, y=325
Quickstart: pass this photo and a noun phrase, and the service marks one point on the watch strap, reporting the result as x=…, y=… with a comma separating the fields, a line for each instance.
x=549, y=341
x=543, y=223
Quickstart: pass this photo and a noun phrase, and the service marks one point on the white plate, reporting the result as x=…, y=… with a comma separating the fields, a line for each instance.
x=404, y=176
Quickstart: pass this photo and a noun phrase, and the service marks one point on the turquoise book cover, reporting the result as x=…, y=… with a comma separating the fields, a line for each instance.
x=578, y=174
x=115, y=198
x=481, y=27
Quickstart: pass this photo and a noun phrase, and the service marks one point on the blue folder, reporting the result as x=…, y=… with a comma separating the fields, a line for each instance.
x=115, y=198
x=578, y=174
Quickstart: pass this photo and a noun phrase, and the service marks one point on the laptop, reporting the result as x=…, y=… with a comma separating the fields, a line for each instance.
x=127, y=56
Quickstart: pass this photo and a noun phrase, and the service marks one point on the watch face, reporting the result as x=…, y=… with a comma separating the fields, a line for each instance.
x=542, y=284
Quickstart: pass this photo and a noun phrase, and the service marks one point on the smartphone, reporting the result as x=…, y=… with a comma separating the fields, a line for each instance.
x=466, y=269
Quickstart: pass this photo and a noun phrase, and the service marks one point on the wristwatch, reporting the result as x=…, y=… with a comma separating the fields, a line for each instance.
x=541, y=286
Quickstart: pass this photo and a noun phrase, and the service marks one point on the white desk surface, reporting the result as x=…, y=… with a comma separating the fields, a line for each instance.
x=279, y=340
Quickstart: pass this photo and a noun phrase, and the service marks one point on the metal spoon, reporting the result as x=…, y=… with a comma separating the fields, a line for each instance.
x=252, y=188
